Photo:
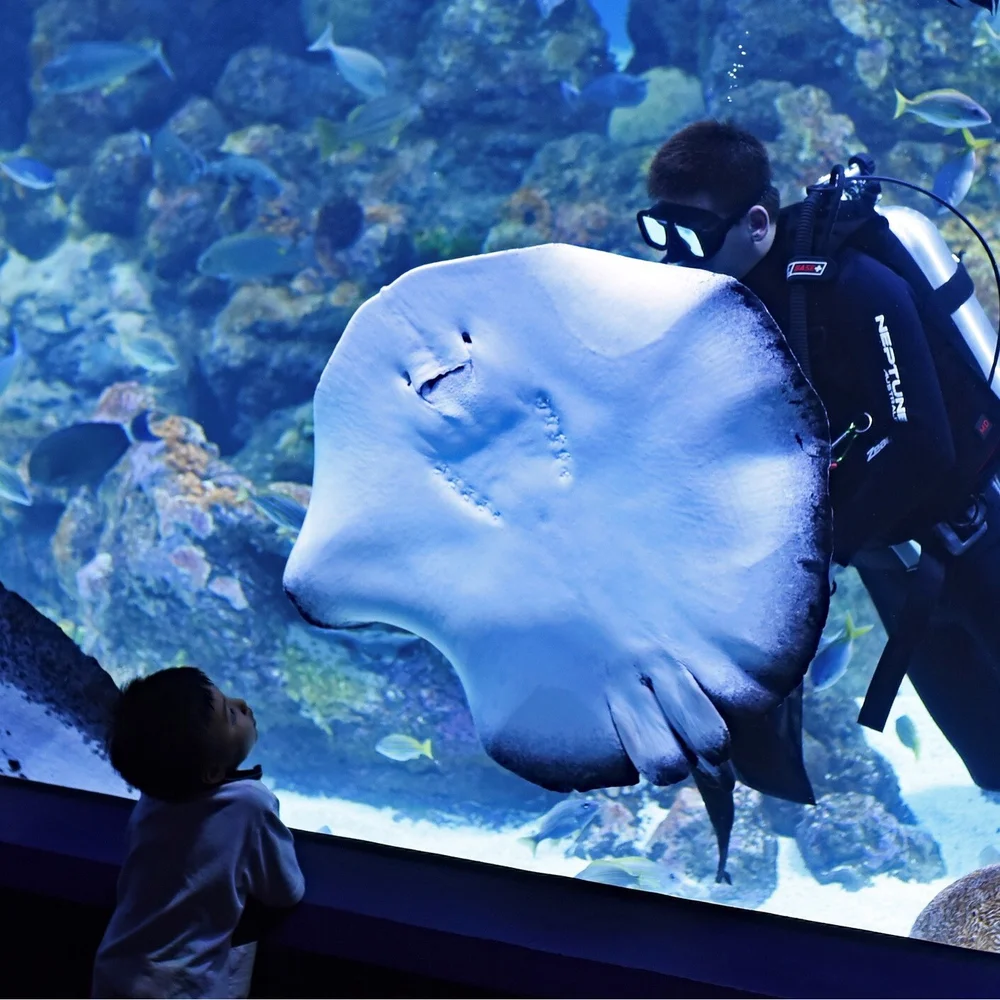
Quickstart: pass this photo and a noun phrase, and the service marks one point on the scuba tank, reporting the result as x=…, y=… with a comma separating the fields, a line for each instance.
x=933, y=256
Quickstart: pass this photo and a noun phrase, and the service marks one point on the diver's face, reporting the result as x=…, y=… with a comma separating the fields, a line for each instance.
x=232, y=734
x=747, y=241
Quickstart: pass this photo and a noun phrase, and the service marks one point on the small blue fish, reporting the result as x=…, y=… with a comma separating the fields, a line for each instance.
x=249, y=171
x=88, y=65
x=359, y=68
x=907, y=733
x=612, y=90
x=569, y=817
x=834, y=656
x=12, y=486
x=28, y=173
x=10, y=361
x=955, y=176
x=281, y=509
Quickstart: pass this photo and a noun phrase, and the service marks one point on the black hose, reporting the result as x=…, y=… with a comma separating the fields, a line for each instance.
x=798, y=330
x=976, y=233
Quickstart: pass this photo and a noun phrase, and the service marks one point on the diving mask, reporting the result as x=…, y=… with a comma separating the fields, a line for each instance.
x=688, y=234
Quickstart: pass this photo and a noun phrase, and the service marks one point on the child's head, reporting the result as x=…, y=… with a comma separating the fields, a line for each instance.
x=174, y=733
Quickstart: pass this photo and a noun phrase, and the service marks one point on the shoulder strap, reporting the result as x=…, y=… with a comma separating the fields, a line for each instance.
x=914, y=618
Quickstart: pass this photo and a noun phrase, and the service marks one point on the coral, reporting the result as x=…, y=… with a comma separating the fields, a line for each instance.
x=441, y=244
x=849, y=837
x=182, y=225
x=280, y=447
x=229, y=589
x=685, y=843
x=812, y=138
x=261, y=84
x=611, y=834
x=120, y=170
x=263, y=330
x=673, y=99
x=327, y=685
x=965, y=913
x=34, y=222
x=199, y=124
x=573, y=192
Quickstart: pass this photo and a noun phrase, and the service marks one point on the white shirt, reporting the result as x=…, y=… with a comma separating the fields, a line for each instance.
x=188, y=871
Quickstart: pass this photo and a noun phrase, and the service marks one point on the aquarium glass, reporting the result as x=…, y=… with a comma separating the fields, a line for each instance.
x=193, y=210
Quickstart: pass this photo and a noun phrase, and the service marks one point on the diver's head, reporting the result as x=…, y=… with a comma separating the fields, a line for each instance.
x=715, y=207
x=174, y=733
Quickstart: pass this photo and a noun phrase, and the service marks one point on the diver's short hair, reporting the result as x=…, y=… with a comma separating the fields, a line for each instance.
x=158, y=737
x=716, y=158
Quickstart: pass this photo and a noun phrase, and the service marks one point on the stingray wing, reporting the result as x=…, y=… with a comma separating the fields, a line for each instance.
x=597, y=484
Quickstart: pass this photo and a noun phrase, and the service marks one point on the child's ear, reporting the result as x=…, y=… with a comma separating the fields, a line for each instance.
x=213, y=774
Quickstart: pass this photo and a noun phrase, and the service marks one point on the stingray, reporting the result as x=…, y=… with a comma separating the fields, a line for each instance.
x=599, y=486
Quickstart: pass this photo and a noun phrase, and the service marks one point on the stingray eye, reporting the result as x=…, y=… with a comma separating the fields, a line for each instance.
x=428, y=387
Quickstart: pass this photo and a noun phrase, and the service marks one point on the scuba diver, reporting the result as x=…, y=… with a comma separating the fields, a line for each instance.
x=883, y=320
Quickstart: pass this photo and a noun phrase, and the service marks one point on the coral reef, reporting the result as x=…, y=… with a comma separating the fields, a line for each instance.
x=685, y=843
x=849, y=837
x=119, y=173
x=965, y=913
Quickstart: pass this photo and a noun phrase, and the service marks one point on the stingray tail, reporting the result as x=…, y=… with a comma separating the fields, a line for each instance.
x=716, y=785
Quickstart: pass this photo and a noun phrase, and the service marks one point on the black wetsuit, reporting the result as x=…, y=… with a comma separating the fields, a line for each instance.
x=868, y=354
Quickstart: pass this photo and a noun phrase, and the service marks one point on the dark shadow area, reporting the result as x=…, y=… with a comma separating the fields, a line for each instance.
x=15, y=98
x=47, y=949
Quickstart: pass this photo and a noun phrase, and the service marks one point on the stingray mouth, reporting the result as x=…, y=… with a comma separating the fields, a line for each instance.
x=319, y=623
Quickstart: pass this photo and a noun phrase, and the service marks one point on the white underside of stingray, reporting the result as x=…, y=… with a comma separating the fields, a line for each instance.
x=598, y=485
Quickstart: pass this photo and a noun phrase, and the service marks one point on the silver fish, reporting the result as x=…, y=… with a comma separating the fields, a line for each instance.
x=250, y=257
x=9, y=362
x=571, y=816
x=150, y=353
x=610, y=872
x=398, y=746
x=359, y=68
x=87, y=65
x=12, y=486
x=946, y=108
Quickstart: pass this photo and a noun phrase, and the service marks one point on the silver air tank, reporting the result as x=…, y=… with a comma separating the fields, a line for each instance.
x=934, y=257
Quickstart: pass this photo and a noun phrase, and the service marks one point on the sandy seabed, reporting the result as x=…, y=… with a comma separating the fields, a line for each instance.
x=936, y=786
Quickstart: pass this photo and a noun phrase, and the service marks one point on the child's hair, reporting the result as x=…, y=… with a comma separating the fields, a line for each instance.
x=158, y=739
